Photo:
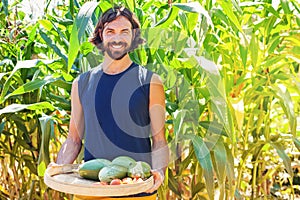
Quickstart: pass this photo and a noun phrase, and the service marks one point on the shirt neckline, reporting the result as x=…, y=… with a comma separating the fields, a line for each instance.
x=119, y=73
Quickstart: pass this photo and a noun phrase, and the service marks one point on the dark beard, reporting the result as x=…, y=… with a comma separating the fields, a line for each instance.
x=116, y=55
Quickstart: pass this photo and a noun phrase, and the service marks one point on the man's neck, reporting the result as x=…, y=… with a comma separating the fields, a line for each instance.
x=111, y=66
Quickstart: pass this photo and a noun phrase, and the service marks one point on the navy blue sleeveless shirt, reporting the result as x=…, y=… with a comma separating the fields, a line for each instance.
x=116, y=113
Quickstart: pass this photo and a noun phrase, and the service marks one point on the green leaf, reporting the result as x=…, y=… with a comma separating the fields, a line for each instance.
x=183, y=90
x=269, y=8
x=287, y=105
x=62, y=84
x=78, y=29
x=193, y=8
x=153, y=37
x=86, y=48
x=198, y=188
x=30, y=163
x=217, y=94
x=169, y=19
x=142, y=57
x=93, y=59
x=179, y=121
x=213, y=127
x=73, y=47
x=130, y=4
x=2, y=126
x=46, y=24
x=243, y=53
x=296, y=50
x=296, y=142
x=42, y=166
x=298, y=20
x=13, y=108
x=227, y=7
x=20, y=65
x=30, y=86
x=172, y=183
x=105, y=5
x=47, y=127
x=220, y=156
x=230, y=170
x=5, y=6
x=183, y=20
x=203, y=156
x=270, y=24
x=219, y=14
x=52, y=45
x=286, y=159
x=32, y=35
x=84, y=15
x=254, y=48
x=171, y=79
x=274, y=42
x=281, y=76
x=147, y=5
x=285, y=6
x=185, y=163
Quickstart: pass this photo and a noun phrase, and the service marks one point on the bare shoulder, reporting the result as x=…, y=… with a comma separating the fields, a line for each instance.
x=156, y=79
x=157, y=94
x=75, y=81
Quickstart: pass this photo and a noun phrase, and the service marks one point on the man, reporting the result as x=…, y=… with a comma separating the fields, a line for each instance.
x=119, y=105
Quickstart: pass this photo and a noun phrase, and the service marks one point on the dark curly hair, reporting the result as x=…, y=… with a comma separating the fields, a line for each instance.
x=109, y=16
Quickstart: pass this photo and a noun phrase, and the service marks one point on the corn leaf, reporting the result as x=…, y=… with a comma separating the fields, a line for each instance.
x=286, y=159
x=169, y=19
x=47, y=127
x=78, y=30
x=287, y=105
x=203, y=156
x=12, y=108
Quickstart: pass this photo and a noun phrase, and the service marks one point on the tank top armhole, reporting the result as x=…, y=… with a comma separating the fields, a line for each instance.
x=145, y=77
x=83, y=80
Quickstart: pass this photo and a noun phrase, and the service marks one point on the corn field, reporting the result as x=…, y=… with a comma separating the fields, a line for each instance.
x=231, y=77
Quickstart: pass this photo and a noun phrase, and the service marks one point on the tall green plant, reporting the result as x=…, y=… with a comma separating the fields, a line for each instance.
x=231, y=76
x=253, y=44
x=31, y=88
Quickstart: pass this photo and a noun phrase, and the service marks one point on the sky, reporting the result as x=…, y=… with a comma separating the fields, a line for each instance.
x=36, y=8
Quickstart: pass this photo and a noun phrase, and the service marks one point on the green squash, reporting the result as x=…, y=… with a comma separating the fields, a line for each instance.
x=108, y=173
x=91, y=168
x=139, y=170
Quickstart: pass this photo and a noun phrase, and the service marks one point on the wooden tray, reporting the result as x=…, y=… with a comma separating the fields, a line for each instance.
x=63, y=178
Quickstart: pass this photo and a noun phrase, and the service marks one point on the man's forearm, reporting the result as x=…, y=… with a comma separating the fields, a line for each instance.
x=68, y=152
x=160, y=156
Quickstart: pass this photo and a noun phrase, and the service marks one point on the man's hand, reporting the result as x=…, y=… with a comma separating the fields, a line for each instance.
x=51, y=164
x=159, y=177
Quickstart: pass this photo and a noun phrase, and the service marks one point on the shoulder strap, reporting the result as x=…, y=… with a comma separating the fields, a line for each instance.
x=85, y=78
x=145, y=79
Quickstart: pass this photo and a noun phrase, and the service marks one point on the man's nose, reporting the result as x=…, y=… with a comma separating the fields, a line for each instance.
x=117, y=37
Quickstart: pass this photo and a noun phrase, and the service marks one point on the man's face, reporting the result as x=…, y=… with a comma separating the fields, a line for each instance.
x=117, y=38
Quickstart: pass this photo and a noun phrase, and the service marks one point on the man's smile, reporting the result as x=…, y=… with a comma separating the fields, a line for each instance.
x=117, y=46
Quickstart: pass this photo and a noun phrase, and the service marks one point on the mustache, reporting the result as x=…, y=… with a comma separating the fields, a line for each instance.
x=118, y=43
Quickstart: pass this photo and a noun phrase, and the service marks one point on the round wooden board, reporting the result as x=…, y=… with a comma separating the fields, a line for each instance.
x=63, y=179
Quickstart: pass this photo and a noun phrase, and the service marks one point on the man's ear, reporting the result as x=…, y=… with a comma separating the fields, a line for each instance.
x=133, y=34
x=100, y=32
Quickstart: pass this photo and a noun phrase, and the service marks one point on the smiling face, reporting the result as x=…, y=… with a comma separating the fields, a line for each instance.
x=117, y=38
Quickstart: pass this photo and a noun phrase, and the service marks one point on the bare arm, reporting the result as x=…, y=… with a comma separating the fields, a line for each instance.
x=160, y=151
x=72, y=146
